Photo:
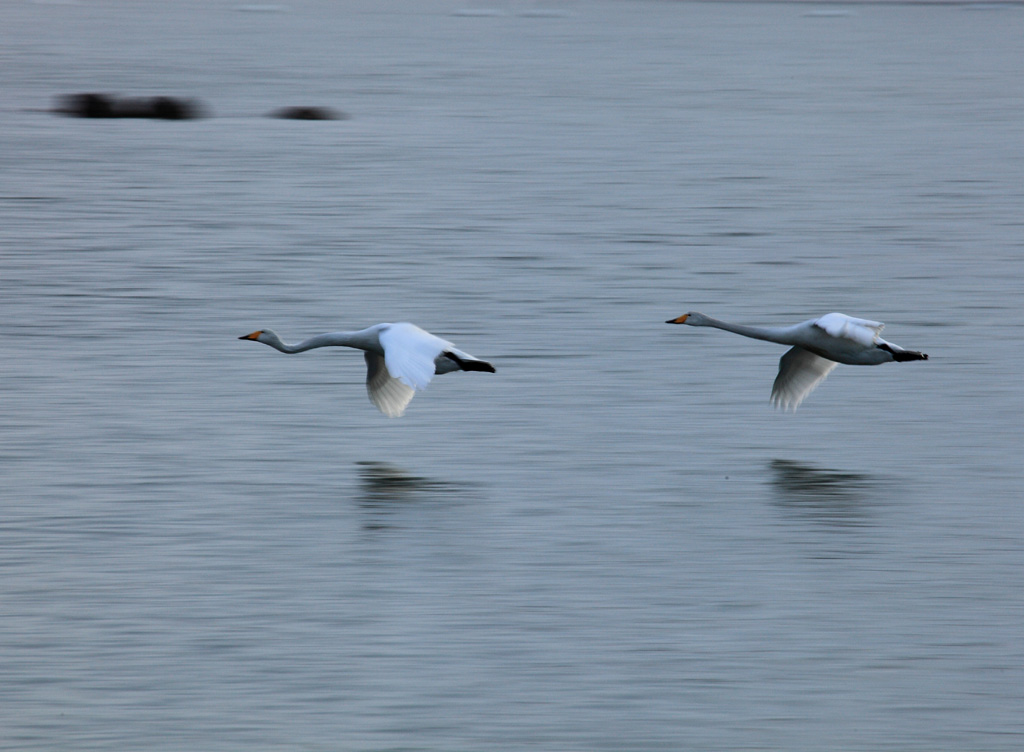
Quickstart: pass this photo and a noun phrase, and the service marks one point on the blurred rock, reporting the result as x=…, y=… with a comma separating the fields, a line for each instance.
x=308, y=113
x=110, y=106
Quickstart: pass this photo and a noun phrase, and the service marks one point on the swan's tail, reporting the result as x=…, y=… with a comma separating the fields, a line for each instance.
x=901, y=356
x=470, y=363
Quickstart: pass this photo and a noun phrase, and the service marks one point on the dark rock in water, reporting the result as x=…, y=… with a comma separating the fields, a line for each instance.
x=110, y=106
x=309, y=113
x=157, y=108
x=86, y=105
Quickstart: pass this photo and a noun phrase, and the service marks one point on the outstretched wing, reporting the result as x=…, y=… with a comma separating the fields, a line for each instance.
x=862, y=331
x=409, y=353
x=800, y=371
x=389, y=394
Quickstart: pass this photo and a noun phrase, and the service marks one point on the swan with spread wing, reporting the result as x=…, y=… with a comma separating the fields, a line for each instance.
x=818, y=346
x=401, y=359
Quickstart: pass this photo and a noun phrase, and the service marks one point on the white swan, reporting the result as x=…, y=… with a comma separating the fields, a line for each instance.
x=400, y=359
x=819, y=345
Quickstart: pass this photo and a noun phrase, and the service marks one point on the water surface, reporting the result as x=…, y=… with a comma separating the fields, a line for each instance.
x=612, y=543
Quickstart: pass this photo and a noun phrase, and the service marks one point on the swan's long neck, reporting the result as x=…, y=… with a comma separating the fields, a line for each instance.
x=767, y=333
x=363, y=340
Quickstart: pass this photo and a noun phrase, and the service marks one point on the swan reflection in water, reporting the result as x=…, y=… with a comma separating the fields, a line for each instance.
x=830, y=497
x=385, y=490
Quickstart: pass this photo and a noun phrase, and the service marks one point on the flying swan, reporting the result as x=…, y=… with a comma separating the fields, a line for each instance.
x=819, y=345
x=400, y=359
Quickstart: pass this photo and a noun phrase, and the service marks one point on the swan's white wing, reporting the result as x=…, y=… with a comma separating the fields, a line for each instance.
x=862, y=331
x=409, y=353
x=800, y=371
x=389, y=394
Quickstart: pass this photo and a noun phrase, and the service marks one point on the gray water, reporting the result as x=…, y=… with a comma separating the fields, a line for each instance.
x=613, y=543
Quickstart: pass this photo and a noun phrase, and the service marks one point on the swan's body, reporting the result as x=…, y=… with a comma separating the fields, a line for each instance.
x=818, y=346
x=400, y=359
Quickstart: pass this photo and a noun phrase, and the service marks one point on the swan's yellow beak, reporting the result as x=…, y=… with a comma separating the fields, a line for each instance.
x=253, y=336
x=680, y=320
